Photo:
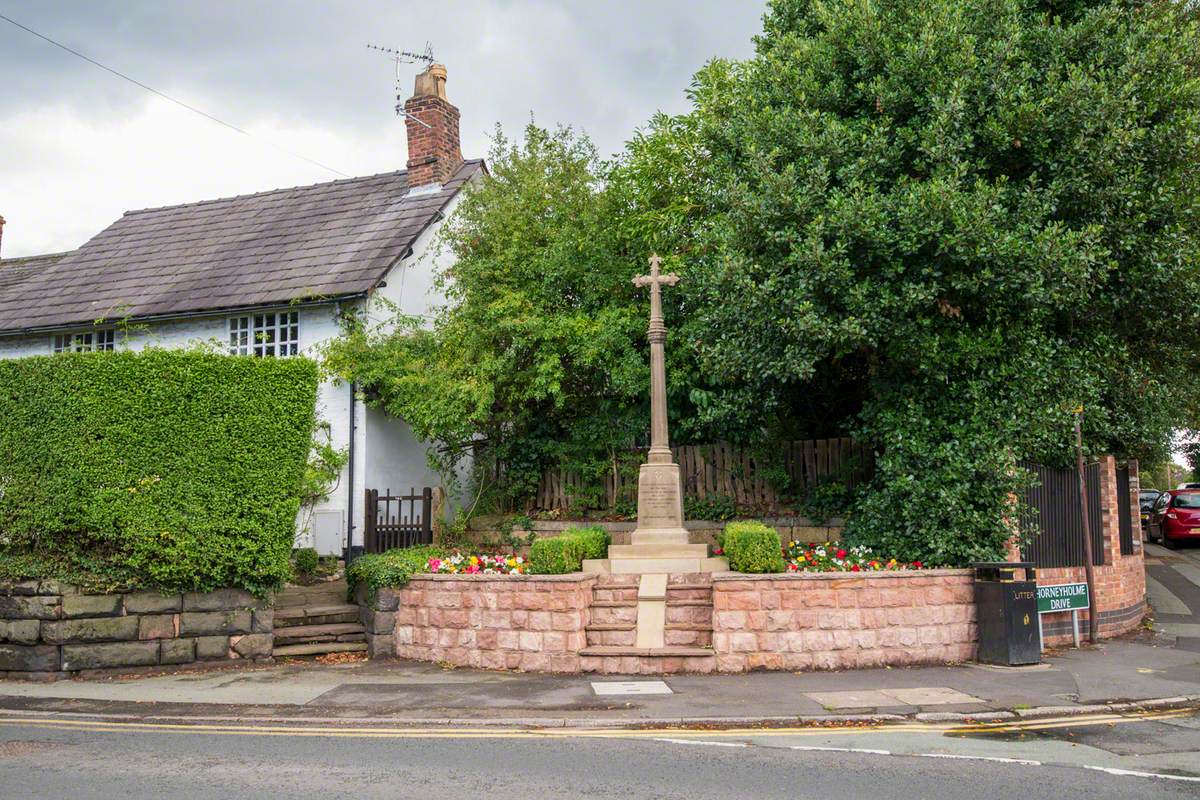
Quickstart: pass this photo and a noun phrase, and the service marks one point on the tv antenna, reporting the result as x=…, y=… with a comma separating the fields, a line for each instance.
x=399, y=57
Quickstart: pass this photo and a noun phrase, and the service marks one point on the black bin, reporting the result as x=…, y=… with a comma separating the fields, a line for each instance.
x=1007, y=613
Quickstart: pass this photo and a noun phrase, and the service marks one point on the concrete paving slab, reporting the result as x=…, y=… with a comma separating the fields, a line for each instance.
x=933, y=696
x=855, y=699
x=608, y=688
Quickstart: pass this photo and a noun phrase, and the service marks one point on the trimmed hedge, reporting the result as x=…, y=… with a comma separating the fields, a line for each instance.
x=565, y=553
x=752, y=547
x=557, y=556
x=594, y=540
x=178, y=470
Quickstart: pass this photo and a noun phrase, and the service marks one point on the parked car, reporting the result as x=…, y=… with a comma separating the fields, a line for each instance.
x=1146, y=498
x=1188, y=486
x=1175, y=518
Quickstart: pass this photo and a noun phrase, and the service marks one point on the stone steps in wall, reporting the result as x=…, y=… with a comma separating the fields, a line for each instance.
x=309, y=634
x=317, y=649
x=315, y=615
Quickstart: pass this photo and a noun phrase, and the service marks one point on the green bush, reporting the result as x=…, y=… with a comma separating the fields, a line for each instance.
x=177, y=470
x=556, y=556
x=392, y=568
x=306, y=560
x=753, y=547
x=594, y=540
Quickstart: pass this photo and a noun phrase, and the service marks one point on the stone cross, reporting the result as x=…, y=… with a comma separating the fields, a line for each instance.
x=660, y=448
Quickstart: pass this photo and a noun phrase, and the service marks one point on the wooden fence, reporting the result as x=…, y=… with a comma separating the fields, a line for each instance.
x=724, y=470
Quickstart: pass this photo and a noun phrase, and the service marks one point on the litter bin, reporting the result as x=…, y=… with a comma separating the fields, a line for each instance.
x=1007, y=613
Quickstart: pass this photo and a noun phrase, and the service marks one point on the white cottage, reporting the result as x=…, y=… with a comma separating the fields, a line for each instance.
x=269, y=275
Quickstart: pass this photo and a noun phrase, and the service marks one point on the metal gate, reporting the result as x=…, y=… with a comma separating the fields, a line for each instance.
x=1051, y=517
x=398, y=520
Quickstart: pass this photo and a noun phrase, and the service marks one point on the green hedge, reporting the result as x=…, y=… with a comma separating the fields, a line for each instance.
x=173, y=469
x=392, y=568
x=557, y=556
x=752, y=547
x=565, y=553
x=593, y=540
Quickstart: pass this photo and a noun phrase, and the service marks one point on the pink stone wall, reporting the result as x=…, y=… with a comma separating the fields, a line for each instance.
x=833, y=621
x=527, y=622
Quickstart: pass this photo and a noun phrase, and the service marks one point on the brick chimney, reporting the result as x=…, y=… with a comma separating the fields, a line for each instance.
x=1, y=234
x=434, y=151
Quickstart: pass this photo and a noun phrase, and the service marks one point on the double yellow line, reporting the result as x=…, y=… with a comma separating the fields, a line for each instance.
x=101, y=725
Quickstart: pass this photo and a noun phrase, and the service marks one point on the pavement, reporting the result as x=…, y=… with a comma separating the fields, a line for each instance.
x=1142, y=669
x=1173, y=588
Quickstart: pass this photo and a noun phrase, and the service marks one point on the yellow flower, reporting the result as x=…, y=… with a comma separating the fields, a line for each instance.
x=474, y=559
x=512, y=562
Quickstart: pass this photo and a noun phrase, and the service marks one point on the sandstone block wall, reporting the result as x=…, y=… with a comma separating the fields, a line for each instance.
x=49, y=628
x=835, y=621
x=525, y=622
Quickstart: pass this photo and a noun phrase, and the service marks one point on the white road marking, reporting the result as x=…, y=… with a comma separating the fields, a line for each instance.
x=843, y=750
x=1137, y=774
x=1025, y=762
x=996, y=759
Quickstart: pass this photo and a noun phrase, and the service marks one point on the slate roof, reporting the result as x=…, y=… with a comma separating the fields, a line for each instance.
x=329, y=240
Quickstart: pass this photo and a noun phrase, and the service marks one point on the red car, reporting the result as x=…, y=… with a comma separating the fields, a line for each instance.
x=1175, y=518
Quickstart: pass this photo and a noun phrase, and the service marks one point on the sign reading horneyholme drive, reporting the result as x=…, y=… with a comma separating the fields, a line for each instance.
x=1062, y=597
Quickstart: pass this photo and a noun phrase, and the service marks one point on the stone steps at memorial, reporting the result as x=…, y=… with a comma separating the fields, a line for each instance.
x=686, y=608
x=619, y=660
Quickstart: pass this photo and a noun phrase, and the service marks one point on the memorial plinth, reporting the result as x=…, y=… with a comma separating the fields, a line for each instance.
x=660, y=542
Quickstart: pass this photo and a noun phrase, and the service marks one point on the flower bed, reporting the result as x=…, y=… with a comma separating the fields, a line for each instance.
x=459, y=564
x=832, y=557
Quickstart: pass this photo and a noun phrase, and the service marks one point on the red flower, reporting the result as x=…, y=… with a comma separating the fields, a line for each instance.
x=841, y=553
x=854, y=568
x=791, y=567
x=917, y=564
x=718, y=551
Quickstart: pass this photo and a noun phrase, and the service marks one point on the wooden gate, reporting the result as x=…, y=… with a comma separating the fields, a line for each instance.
x=398, y=520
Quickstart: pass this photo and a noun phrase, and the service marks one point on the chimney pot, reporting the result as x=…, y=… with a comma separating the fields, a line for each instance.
x=434, y=147
x=1, y=234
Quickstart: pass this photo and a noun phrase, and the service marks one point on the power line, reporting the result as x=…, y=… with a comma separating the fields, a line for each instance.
x=180, y=103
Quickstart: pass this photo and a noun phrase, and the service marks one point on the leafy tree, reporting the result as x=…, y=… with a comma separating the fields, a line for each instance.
x=536, y=356
x=981, y=213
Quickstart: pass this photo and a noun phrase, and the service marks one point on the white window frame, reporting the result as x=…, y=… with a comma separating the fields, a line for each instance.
x=103, y=339
x=266, y=334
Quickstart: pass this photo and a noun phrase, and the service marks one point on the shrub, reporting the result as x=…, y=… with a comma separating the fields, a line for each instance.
x=390, y=569
x=306, y=560
x=753, y=547
x=556, y=556
x=594, y=540
x=176, y=470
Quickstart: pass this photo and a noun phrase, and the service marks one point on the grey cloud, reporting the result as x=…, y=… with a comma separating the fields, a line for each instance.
x=601, y=66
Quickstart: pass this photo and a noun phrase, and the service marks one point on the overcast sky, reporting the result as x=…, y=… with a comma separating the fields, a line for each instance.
x=79, y=146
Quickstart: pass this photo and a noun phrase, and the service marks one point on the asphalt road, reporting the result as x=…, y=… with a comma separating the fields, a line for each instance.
x=65, y=757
